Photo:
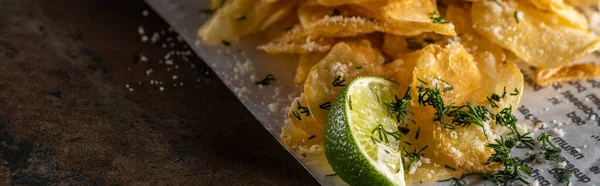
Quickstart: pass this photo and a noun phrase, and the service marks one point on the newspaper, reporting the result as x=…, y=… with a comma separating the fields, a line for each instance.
x=567, y=111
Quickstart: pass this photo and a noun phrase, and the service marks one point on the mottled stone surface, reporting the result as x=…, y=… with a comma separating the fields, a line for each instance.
x=67, y=118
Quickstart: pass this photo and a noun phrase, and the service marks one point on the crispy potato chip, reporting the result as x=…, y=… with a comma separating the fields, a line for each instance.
x=345, y=2
x=472, y=82
x=215, y=4
x=564, y=14
x=345, y=62
x=577, y=72
x=302, y=134
x=395, y=46
x=402, y=69
x=306, y=62
x=237, y=18
x=296, y=41
x=418, y=14
x=541, y=45
x=475, y=44
x=344, y=22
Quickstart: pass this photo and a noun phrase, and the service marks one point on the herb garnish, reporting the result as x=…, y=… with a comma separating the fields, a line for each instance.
x=414, y=156
x=564, y=175
x=303, y=108
x=338, y=82
x=311, y=137
x=334, y=174
x=550, y=151
x=435, y=18
x=267, y=80
x=496, y=1
x=432, y=97
x=336, y=12
x=359, y=67
x=429, y=40
x=472, y=115
x=516, y=16
x=418, y=132
x=449, y=167
x=514, y=169
x=325, y=106
x=380, y=135
x=226, y=43
x=296, y=115
x=413, y=44
x=399, y=108
x=515, y=92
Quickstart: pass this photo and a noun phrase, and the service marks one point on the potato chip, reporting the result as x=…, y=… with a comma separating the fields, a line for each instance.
x=302, y=134
x=564, y=14
x=418, y=14
x=296, y=41
x=539, y=44
x=344, y=62
x=345, y=2
x=215, y=4
x=344, y=22
x=306, y=62
x=237, y=18
x=475, y=44
x=402, y=69
x=577, y=72
x=472, y=82
x=395, y=46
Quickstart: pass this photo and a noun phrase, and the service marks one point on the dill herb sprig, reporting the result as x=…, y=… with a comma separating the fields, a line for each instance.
x=399, y=108
x=380, y=135
x=514, y=169
x=303, y=109
x=550, y=151
x=507, y=119
x=564, y=175
x=414, y=156
x=338, y=82
x=435, y=18
x=267, y=80
x=477, y=115
x=432, y=97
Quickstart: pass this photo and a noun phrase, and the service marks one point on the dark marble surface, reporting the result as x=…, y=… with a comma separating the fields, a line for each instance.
x=66, y=117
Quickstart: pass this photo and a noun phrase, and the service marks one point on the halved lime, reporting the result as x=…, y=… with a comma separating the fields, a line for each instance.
x=359, y=135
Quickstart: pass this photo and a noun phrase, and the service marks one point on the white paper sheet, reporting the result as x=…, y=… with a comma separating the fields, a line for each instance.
x=566, y=106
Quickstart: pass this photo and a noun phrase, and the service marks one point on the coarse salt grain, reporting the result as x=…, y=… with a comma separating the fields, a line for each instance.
x=145, y=13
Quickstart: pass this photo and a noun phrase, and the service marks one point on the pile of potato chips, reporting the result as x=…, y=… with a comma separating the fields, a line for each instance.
x=471, y=45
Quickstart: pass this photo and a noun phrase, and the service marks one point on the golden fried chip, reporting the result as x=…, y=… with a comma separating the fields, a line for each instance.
x=344, y=62
x=541, y=45
x=564, y=14
x=475, y=44
x=215, y=4
x=237, y=18
x=471, y=82
x=302, y=134
x=345, y=2
x=306, y=62
x=577, y=72
x=344, y=22
x=402, y=69
x=418, y=14
x=296, y=41
x=395, y=46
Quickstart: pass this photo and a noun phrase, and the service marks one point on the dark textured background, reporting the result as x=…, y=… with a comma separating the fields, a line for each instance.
x=67, y=118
